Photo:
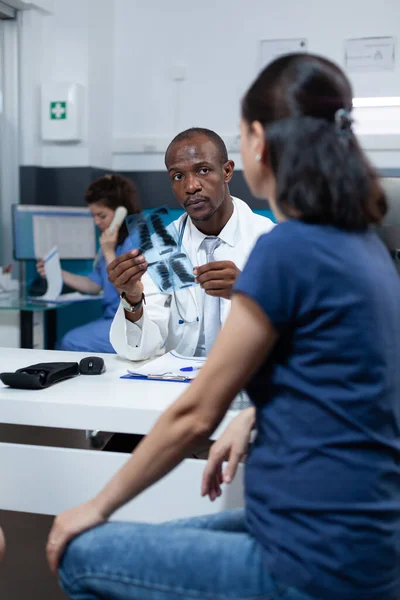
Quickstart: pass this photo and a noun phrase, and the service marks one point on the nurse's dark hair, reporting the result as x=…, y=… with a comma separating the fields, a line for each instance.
x=322, y=175
x=114, y=190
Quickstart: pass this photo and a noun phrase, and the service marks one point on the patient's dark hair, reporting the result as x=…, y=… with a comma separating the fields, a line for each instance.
x=201, y=131
x=112, y=191
x=322, y=175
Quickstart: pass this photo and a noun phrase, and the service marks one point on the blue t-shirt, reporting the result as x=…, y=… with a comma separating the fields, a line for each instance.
x=323, y=477
x=99, y=275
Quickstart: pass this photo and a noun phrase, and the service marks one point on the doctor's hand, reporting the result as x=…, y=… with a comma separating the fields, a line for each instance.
x=231, y=446
x=67, y=526
x=126, y=272
x=217, y=278
x=40, y=268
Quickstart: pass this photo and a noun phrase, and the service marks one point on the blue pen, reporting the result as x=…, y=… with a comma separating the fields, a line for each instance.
x=186, y=369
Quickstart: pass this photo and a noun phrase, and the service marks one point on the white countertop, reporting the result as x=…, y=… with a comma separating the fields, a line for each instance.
x=104, y=402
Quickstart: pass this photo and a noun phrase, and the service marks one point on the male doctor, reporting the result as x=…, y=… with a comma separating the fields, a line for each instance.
x=217, y=232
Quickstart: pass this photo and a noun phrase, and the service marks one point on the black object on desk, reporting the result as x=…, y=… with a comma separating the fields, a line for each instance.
x=92, y=365
x=40, y=376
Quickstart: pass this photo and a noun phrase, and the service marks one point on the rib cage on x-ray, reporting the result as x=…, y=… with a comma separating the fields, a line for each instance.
x=178, y=266
x=145, y=237
x=168, y=264
x=163, y=272
x=162, y=231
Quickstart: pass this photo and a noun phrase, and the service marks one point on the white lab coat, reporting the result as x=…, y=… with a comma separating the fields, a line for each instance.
x=173, y=322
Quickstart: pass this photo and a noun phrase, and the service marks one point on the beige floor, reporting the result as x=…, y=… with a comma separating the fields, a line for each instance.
x=24, y=574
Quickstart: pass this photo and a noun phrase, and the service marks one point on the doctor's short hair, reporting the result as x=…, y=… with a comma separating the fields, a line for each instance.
x=114, y=190
x=193, y=132
x=304, y=103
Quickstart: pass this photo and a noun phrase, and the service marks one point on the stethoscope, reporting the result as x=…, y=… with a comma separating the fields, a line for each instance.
x=182, y=319
x=182, y=231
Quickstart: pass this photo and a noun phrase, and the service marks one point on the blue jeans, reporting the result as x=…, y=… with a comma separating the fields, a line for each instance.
x=212, y=557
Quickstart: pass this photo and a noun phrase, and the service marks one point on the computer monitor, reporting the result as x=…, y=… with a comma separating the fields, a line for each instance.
x=38, y=228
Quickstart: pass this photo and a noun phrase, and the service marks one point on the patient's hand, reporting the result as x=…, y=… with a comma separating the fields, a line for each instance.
x=67, y=526
x=231, y=446
x=125, y=273
x=40, y=268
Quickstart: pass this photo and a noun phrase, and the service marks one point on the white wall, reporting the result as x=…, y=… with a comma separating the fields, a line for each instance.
x=9, y=134
x=125, y=51
x=45, y=6
x=218, y=42
x=72, y=44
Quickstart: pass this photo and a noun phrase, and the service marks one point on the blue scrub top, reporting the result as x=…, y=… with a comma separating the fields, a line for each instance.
x=323, y=476
x=99, y=276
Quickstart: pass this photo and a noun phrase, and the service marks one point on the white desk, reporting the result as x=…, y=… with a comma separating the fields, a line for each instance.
x=46, y=480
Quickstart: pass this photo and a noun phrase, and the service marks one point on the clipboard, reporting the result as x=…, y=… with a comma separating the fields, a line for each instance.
x=173, y=377
x=169, y=367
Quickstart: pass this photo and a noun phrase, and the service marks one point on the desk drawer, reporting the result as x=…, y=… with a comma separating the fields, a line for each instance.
x=47, y=480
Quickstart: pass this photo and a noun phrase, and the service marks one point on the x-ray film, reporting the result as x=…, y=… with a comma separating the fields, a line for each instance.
x=169, y=266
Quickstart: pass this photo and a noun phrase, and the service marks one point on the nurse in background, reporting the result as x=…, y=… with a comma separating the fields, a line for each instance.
x=103, y=197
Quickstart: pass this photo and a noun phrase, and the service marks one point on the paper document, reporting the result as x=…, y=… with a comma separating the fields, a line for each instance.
x=170, y=367
x=370, y=54
x=52, y=269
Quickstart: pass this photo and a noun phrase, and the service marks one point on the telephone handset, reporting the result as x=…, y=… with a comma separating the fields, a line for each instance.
x=118, y=218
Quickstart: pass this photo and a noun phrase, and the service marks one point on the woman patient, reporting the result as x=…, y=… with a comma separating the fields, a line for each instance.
x=103, y=197
x=314, y=336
